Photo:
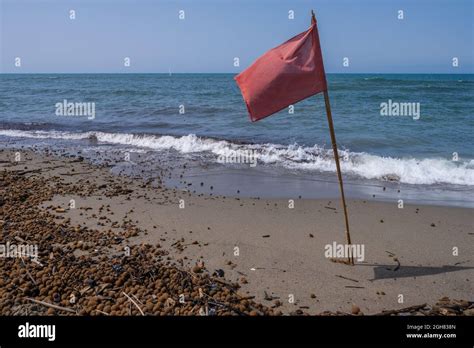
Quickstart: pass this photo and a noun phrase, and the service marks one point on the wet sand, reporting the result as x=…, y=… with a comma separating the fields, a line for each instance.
x=274, y=252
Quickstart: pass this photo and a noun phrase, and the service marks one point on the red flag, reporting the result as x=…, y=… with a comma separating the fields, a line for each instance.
x=284, y=75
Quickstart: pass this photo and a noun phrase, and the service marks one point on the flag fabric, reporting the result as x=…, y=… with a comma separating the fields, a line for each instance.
x=284, y=75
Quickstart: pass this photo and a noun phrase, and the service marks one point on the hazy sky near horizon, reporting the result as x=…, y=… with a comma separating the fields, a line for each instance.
x=213, y=32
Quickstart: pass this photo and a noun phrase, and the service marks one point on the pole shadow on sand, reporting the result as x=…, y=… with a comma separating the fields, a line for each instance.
x=388, y=271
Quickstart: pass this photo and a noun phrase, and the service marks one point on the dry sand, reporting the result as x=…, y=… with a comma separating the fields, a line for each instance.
x=281, y=251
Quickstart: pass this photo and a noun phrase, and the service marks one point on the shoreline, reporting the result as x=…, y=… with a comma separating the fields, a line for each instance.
x=281, y=250
x=245, y=181
x=253, y=182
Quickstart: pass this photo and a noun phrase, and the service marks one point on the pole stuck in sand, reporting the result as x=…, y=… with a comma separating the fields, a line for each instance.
x=350, y=257
x=339, y=174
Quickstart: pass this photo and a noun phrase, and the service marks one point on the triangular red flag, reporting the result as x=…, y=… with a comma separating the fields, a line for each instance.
x=284, y=75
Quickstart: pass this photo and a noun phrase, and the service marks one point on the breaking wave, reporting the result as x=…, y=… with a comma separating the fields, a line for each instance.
x=425, y=171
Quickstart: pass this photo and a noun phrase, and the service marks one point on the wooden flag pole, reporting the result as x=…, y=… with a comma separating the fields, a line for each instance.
x=350, y=258
x=339, y=174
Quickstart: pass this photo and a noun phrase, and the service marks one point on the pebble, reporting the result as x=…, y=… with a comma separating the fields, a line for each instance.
x=355, y=309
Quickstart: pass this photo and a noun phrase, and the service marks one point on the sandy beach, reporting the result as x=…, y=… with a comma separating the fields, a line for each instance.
x=274, y=252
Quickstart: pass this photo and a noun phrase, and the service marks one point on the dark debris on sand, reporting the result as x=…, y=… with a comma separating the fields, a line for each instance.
x=97, y=282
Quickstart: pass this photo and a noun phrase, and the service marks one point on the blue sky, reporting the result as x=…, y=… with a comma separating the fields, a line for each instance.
x=368, y=32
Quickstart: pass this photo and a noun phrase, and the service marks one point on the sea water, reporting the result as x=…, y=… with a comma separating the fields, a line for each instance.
x=203, y=118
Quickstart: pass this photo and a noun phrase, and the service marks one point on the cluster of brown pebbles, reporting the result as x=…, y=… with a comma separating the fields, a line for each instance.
x=101, y=282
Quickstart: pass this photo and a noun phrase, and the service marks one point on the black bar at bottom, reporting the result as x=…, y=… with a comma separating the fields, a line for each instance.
x=212, y=330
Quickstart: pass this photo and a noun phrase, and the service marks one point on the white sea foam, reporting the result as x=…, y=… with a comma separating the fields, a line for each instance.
x=406, y=170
